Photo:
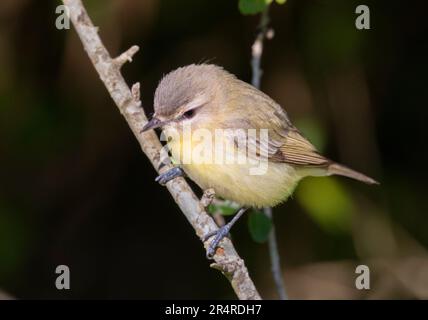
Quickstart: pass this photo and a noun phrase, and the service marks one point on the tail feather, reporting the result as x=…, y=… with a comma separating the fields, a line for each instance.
x=341, y=170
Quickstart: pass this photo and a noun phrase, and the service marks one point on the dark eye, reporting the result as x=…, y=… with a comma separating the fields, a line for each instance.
x=189, y=114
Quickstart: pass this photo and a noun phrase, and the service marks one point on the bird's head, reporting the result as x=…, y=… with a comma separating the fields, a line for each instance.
x=188, y=96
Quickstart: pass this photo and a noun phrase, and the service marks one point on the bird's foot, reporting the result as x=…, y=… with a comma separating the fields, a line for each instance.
x=169, y=175
x=221, y=233
x=218, y=235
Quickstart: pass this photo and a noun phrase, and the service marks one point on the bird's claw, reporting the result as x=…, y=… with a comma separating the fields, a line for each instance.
x=218, y=234
x=169, y=175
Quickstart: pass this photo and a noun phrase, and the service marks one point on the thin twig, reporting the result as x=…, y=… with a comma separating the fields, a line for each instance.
x=257, y=52
x=226, y=258
x=126, y=56
x=257, y=47
x=275, y=259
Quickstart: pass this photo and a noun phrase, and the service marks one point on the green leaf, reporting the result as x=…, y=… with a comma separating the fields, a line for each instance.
x=281, y=1
x=225, y=209
x=312, y=130
x=259, y=226
x=253, y=6
x=327, y=202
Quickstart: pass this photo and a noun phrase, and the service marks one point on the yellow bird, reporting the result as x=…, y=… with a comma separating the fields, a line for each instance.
x=229, y=136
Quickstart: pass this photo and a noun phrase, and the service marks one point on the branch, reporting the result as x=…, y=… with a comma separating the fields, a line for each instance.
x=256, y=53
x=226, y=258
x=275, y=260
x=257, y=47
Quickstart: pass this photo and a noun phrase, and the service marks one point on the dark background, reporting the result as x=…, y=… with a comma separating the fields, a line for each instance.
x=75, y=188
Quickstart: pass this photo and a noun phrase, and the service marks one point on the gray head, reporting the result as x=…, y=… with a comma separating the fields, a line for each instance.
x=184, y=92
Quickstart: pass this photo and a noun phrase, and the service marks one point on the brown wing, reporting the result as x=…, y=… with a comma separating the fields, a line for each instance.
x=296, y=150
x=284, y=143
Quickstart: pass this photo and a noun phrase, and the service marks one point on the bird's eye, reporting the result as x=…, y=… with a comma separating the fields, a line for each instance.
x=189, y=114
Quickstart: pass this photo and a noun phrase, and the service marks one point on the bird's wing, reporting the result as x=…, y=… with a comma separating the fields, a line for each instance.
x=284, y=143
x=295, y=149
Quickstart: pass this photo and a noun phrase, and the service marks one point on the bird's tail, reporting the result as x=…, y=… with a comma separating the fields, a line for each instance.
x=335, y=168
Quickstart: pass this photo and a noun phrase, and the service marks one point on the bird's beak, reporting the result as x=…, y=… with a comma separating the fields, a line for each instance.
x=153, y=124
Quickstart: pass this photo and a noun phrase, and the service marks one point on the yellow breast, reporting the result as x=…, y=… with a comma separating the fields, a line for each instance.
x=242, y=181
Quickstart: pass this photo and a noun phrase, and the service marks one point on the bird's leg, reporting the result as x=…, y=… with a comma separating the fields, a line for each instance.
x=221, y=233
x=169, y=175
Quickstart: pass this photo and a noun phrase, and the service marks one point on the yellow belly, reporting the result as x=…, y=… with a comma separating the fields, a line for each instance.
x=235, y=182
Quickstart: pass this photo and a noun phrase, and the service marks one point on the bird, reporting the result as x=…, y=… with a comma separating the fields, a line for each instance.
x=204, y=99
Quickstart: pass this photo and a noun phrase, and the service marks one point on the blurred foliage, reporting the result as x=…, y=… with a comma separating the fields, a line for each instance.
x=259, y=225
x=12, y=254
x=337, y=43
x=312, y=130
x=327, y=203
x=255, y=6
x=225, y=208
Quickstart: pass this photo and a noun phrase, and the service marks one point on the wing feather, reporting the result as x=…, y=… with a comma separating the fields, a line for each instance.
x=299, y=151
x=285, y=143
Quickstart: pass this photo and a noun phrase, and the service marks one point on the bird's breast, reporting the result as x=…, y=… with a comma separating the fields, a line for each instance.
x=218, y=164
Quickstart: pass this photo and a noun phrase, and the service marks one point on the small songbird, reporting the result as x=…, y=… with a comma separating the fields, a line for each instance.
x=206, y=98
